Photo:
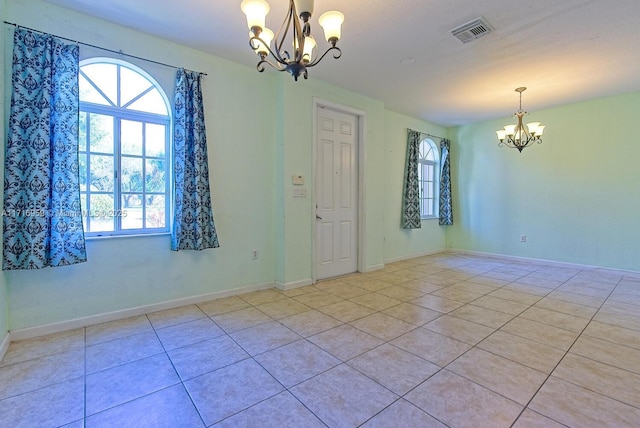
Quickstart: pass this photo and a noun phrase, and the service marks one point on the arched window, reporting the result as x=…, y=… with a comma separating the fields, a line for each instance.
x=124, y=150
x=429, y=178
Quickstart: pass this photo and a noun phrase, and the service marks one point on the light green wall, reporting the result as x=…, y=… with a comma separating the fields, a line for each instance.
x=127, y=272
x=260, y=133
x=575, y=196
x=295, y=148
x=401, y=243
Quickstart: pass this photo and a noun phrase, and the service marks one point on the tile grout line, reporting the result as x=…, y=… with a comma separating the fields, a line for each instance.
x=565, y=354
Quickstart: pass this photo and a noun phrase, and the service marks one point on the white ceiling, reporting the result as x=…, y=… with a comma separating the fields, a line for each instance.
x=562, y=50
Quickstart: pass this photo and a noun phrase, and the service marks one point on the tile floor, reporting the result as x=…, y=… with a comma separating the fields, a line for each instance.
x=444, y=340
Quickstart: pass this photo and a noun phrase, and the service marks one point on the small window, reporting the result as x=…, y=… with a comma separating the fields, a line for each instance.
x=124, y=150
x=429, y=178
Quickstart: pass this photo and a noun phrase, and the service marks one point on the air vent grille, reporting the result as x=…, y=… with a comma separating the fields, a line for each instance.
x=471, y=30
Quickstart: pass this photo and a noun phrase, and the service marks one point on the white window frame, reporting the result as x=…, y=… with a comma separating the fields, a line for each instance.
x=119, y=114
x=429, y=164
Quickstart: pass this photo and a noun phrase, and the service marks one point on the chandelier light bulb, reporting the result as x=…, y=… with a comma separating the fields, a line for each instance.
x=331, y=23
x=261, y=48
x=256, y=12
x=309, y=45
x=510, y=130
x=304, y=7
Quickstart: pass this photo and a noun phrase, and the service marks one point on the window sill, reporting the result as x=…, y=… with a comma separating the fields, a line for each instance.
x=133, y=235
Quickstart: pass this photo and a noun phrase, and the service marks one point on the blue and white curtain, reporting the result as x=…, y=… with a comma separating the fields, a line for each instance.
x=193, y=227
x=42, y=218
x=411, y=193
x=446, y=215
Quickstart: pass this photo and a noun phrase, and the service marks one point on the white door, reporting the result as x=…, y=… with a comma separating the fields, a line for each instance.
x=336, y=193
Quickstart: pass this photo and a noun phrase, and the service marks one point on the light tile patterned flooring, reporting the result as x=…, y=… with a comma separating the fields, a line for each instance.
x=444, y=340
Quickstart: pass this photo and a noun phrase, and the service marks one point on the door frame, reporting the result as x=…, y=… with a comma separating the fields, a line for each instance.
x=360, y=115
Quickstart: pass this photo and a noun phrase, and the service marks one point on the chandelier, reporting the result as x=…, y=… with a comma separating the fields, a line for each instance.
x=517, y=136
x=303, y=46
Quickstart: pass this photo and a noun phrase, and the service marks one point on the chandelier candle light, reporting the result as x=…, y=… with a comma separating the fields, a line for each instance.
x=517, y=136
x=304, y=48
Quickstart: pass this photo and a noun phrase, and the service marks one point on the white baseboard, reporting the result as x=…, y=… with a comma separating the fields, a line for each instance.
x=4, y=345
x=414, y=255
x=545, y=262
x=292, y=285
x=373, y=268
x=28, y=333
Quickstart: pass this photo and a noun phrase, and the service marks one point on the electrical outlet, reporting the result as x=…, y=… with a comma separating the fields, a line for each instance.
x=254, y=254
x=523, y=238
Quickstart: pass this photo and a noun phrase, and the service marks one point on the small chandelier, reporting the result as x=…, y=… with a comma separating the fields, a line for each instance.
x=303, y=54
x=517, y=136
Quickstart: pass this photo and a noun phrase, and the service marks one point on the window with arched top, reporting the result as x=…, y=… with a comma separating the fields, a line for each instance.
x=124, y=156
x=428, y=178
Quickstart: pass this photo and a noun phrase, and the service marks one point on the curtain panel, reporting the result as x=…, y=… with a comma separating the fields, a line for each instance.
x=446, y=214
x=411, y=193
x=193, y=226
x=42, y=218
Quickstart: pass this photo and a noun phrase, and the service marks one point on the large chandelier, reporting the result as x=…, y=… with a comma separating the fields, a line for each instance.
x=303, y=46
x=517, y=136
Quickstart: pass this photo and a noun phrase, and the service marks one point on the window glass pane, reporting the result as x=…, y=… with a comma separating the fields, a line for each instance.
x=428, y=150
x=430, y=156
x=82, y=131
x=424, y=171
x=131, y=174
x=101, y=133
x=105, y=77
x=83, y=205
x=151, y=102
x=131, y=138
x=155, y=176
x=132, y=84
x=155, y=140
x=101, y=213
x=423, y=149
x=89, y=94
x=155, y=211
x=82, y=171
x=101, y=173
x=131, y=211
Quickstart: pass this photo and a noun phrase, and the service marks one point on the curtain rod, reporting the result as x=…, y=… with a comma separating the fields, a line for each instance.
x=433, y=136
x=429, y=135
x=98, y=47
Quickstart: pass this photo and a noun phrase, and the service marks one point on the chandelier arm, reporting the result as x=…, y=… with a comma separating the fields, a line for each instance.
x=260, y=66
x=285, y=26
x=337, y=54
x=276, y=57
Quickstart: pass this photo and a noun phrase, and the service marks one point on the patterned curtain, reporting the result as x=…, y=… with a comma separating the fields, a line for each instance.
x=411, y=194
x=193, y=226
x=42, y=218
x=446, y=216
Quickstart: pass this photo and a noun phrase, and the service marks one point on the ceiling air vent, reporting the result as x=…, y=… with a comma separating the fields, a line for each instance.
x=471, y=30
